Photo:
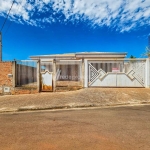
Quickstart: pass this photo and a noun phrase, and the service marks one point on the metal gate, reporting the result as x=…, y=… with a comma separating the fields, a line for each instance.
x=46, y=76
x=120, y=73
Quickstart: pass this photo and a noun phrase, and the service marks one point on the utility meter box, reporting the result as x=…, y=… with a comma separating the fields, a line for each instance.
x=6, y=89
x=10, y=75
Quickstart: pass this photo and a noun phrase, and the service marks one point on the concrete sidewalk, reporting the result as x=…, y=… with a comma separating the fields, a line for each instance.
x=90, y=97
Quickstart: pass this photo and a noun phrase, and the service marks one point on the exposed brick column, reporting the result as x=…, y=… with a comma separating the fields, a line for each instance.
x=5, y=80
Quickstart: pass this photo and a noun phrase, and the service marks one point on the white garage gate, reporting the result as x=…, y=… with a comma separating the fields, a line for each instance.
x=119, y=73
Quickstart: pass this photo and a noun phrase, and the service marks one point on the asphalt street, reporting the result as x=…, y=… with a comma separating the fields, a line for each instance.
x=117, y=128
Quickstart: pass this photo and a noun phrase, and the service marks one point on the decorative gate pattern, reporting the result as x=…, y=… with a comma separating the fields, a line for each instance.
x=127, y=74
x=46, y=76
x=94, y=74
x=46, y=80
x=137, y=71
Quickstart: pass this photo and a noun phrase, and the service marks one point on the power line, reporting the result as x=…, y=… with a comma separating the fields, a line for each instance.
x=7, y=28
x=10, y=24
x=7, y=16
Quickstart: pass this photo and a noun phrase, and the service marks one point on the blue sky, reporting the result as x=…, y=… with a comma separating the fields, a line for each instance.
x=42, y=27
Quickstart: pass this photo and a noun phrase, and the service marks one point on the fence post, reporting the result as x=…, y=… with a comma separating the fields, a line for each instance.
x=147, y=72
x=38, y=75
x=148, y=68
x=14, y=73
x=54, y=75
x=86, y=73
x=83, y=72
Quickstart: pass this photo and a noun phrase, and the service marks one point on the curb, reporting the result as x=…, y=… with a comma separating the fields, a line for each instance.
x=29, y=108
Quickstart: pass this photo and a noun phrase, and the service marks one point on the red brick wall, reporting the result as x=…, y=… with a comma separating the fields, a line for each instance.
x=5, y=81
x=5, y=69
x=21, y=90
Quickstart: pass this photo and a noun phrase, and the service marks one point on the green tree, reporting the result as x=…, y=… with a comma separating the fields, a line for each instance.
x=132, y=57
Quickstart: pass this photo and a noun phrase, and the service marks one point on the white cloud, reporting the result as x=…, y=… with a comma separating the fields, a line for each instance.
x=124, y=15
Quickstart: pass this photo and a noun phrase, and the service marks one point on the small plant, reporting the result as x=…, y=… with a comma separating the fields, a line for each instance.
x=147, y=52
x=132, y=57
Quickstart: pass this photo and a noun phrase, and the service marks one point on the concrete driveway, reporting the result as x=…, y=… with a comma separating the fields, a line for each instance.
x=121, y=128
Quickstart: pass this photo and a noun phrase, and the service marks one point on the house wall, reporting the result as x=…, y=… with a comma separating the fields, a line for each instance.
x=68, y=83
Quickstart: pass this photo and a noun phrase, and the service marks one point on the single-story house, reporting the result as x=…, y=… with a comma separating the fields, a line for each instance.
x=73, y=71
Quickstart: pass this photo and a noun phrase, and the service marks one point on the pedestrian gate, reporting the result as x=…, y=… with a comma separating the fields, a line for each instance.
x=46, y=76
